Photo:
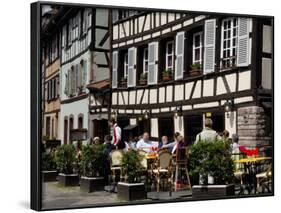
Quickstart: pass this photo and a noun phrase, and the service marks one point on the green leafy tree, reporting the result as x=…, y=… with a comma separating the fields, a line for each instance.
x=65, y=158
x=213, y=158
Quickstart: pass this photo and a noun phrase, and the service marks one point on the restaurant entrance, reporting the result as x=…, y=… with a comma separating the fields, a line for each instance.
x=193, y=124
x=100, y=128
x=166, y=127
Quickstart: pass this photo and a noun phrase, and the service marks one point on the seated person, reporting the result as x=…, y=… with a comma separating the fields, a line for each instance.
x=163, y=142
x=179, y=144
x=144, y=143
x=172, y=144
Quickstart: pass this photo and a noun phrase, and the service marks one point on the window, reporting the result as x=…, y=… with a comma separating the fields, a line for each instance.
x=229, y=42
x=125, y=65
x=80, y=122
x=145, y=60
x=52, y=88
x=169, y=55
x=197, y=48
x=65, y=130
x=48, y=126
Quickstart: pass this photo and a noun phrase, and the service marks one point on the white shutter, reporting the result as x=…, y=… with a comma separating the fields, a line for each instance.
x=78, y=76
x=243, y=42
x=114, y=69
x=152, y=63
x=209, y=45
x=132, y=52
x=84, y=73
x=66, y=87
x=179, y=69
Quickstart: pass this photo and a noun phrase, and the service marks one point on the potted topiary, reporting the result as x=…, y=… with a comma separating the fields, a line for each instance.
x=143, y=79
x=211, y=162
x=124, y=81
x=49, y=167
x=131, y=188
x=167, y=75
x=196, y=69
x=92, y=164
x=65, y=159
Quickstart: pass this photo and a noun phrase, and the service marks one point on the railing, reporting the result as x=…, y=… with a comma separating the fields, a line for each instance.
x=228, y=63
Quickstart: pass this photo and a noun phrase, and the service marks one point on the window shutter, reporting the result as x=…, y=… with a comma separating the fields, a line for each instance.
x=152, y=63
x=243, y=42
x=132, y=52
x=66, y=87
x=78, y=77
x=209, y=45
x=84, y=74
x=179, y=69
x=114, y=69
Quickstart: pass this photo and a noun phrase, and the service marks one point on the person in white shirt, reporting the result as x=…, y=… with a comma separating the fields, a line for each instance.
x=144, y=143
x=207, y=133
x=117, y=132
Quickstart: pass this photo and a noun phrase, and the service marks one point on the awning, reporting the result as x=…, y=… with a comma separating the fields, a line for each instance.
x=99, y=86
x=130, y=127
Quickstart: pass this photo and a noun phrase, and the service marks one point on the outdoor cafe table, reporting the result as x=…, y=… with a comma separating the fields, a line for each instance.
x=251, y=165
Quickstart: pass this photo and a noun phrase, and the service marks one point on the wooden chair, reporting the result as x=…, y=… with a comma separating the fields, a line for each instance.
x=181, y=161
x=115, y=163
x=163, y=169
x=264, y=179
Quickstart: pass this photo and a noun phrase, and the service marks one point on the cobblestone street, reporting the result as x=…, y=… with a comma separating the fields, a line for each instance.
x=55, y=196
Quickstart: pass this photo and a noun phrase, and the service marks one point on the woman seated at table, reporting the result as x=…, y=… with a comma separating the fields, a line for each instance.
x=179, y=144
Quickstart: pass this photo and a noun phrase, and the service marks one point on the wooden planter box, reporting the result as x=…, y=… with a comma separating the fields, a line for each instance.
x=49, y=176
x=68, y=179
x=167, y=78
x=52, y=143
x=91, y=184
x=142, y=82
x=212, y=191
x=195, y=72
x=131, y=191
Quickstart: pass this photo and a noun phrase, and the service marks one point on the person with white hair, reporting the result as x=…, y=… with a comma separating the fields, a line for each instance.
x=207, y=133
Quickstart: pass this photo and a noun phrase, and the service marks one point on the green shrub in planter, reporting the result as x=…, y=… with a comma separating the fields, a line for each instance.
x=132, y=188
x=92, y=160
x=48, y=161
x=212, y=158
x=65, y=158
x=131, y=165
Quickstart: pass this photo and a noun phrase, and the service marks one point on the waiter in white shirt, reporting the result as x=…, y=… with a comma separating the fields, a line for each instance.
x=117, y=132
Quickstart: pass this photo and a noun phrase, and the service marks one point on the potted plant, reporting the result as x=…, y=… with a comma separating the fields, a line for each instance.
x=65, y=159
x=92, y=160
x=196, y=69
x=49, y=167
x=167, y=75
x=143, y=79
x=124, y=81
x=211, y=162
x=131, y=188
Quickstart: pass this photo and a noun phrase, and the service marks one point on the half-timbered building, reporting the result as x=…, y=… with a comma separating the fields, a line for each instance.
x=84, y=71
x=172, y=70
x=51, y=74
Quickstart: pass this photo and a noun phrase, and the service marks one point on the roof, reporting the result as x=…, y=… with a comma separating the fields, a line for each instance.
x=101, y=85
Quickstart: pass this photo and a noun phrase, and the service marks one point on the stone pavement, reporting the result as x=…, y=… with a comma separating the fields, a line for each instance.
x=54, y=196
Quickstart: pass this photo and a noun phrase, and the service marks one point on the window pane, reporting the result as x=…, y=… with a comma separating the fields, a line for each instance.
x=197, y=41
x=197, y=55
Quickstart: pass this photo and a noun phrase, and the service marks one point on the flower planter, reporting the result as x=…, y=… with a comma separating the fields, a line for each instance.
x=68, y=179
x=131, y=191
x=142, y=82
x=49, y=176
x=167, y=78
x=91, y=184
x=195, y=72
x=212, y=191
x=52, y=143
